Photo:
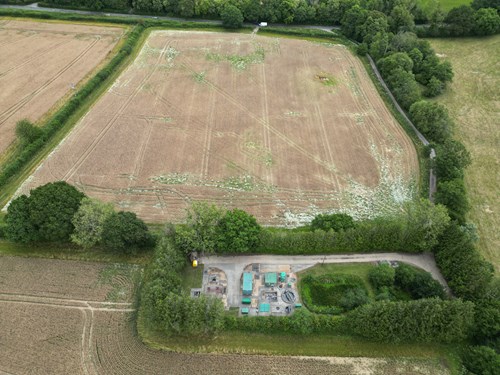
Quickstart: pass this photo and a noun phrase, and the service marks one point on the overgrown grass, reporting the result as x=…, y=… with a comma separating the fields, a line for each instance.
x=472, y=100
x=358, y=269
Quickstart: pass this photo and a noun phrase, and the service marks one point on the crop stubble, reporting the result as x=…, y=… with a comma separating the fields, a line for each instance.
x=39, y=64
x=278, y=127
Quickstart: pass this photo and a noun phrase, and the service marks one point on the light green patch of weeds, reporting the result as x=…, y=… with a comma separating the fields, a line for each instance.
x=199, y=77
x=122, y=278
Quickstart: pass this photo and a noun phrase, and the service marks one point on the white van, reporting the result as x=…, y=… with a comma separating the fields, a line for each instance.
x=263, y=24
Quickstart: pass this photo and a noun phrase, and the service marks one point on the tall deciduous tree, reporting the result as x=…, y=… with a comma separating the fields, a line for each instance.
x=125, y=232
x=45, y=215
x=89, y=222
x=238, y=232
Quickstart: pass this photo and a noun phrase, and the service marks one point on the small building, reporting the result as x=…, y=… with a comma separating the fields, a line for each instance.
x=264, y=308
x=247, y=283
x=245, y=310
x=271, y=279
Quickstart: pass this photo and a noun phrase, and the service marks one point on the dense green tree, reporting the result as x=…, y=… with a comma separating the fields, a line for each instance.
x=352, y=21
x=478, y=4
x=467, y=273
x=487, y=320
x=401, y=19
x=433, y=88
x=201, y=230
x=418, y=283
x=453, y=195
x=376, y=22
x=404, y=87
x=44, y=216
x=89, y=222
x=379, y=46
x=125, y=232
x=451, y=160
x=238, y=232
x=19, y=227
x=486, y=21
x=460, y=20
x=26, y=132
x=481, y=360
x=231, y=17
x=432, y=120
x=399, y=60
x=185, y=8
x=425, y=222
x=382, y=275
x=353, y=298
x=334, y=222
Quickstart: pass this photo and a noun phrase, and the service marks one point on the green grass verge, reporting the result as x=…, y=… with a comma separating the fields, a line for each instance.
x=71, y=252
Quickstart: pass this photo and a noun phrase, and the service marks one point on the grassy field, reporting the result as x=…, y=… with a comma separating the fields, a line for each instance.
x=192, y=277
x=473, y=101
x=446, y=5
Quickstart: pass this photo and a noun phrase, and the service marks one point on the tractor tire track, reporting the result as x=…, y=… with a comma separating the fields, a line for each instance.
x=115, y=117
x=4, y=116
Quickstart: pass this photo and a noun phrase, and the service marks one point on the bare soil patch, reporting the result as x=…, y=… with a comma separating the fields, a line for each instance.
x=41, y=63
x=242, y=121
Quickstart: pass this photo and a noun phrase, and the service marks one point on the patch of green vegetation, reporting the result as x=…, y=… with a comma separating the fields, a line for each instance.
x=240, y=62
x=172, y=178
x=446, y=5
x=192, y=277
x=327, y=79
x=199, y=77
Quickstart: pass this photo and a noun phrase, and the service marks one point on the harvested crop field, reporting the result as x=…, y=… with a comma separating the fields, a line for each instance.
x=282, y=128
x=473, y=100
x=66, y=334
x=42, y=62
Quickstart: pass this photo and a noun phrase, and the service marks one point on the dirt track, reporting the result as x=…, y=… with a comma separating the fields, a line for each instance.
x=281, y=128
x=40, y=64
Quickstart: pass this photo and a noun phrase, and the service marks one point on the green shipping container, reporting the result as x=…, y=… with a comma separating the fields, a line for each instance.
x=264, y=307
x=298, y=305
x=244, y=310
x=282, y=276
x=246, y=301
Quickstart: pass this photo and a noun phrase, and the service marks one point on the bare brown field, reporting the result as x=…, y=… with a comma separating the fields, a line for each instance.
x=282, y=128
x=473, y=100
x=66, y=334
x=41, y=62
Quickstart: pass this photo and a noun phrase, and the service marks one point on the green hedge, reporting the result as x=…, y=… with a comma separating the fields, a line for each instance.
x=302, y=322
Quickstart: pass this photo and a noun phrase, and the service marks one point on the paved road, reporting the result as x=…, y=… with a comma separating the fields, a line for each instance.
x=233, y=265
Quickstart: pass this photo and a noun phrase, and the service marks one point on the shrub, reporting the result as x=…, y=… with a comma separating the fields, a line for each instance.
x=231, y=17
x=418, y=283
x=453, y=195
x=381, y=276
x=432, y=120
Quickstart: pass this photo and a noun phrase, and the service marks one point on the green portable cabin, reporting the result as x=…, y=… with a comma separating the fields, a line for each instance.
x=246, y=301
x=298, y=305
x=264, y=307
x=247, y=283
x=271, y=279
x=282, y=277
x=244, y=310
